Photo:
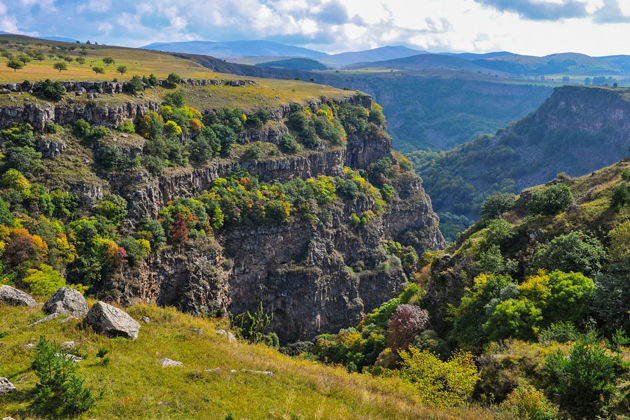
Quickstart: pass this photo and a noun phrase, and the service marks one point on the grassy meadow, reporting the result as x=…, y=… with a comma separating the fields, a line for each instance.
x=135, y=386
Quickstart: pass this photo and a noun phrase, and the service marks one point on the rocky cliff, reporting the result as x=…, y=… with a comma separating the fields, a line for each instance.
x=577, y=130
x=315, y=276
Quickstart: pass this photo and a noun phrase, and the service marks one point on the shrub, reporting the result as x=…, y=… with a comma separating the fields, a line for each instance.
x=127, y=126
x=25, y=159
x=44, y=281
x=584, y=382
x=253, y=152
x=173, y=80
x=405, y=324
x=610, y=300
x=289, y=144
x=620, y=196
x=515, y=318
x=574, y=251
x=98, y=70
x=175, y=99
x=559, y=332
x=440, y=384
x=52, y=91
x=253, y=327
x=59, y=392
x=497, y=204
x=527, y=402
x=113, y=208
x=551, y=200
x=133, y=86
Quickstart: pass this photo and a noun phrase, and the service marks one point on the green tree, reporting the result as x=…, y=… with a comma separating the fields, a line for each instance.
x=15, y=64
x=121, y=69
x=44, y=281
x=551, y=200
x=573, y=251
x=98, y=70
x=514, y=318
x=60, y=66
x=497, y=204
x=108, y=60
x=59, y=392
x=113, y=207
x=175, y=99
x=584, y=382
x=439, y=383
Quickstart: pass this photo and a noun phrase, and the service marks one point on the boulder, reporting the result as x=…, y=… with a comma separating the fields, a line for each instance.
x=66, y=301
x=14, y=297
x=109, y=320
x=6, y=386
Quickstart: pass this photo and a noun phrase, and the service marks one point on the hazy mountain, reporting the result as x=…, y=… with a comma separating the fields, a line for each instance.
x=59, y=38
x=423, y=62
x=235, y=49
x=376, y=54
x=295, y=64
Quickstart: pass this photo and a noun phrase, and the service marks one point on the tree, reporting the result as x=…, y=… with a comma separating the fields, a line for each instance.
x=121, y=69
x=551, y=200
x=513, y=318
x=108, y=60
x=497, y=204
x=52, y=91
x=584, y=382
x=253, y=327
x=44, y=281
x=175, y=99
x=59, y=392
x=289, y=144
x=574, y=251
x=98, y=70
x=113, y=207
x=405, y=324
x=60, y=66
x=439, y=383
x=173, y=79
x=15, y=64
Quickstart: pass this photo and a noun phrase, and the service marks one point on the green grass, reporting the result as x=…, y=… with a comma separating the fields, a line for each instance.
x=134, y=386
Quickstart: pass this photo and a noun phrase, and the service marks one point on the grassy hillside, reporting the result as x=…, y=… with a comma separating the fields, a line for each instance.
x=140, y=62
x=135, y=386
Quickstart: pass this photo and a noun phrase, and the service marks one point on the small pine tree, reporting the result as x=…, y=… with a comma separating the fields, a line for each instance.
x=59, y=392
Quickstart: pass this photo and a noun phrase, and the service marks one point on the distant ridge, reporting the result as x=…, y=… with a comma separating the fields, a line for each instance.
x=235, y=49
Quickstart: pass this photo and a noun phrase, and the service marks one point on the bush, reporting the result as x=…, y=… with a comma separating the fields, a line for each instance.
x=584, y=382
x=173, y=80
x=551, y=200
x=497, y=204
x=59, y=392
x=253, y=152
x=25, y=159
x=440, y=384
x=45, y=281
x=127, y=126
x=135, y=85
x=253, y=327
x=574, y=251
x=289, y=144
x=49, y=90
x=559, y=332
x=175, y=99
x=527, y=402
x=113, y=208
x=405, y=324
x=513, y=318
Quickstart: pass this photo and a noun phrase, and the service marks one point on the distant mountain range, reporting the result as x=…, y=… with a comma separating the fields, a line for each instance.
x=501, y=63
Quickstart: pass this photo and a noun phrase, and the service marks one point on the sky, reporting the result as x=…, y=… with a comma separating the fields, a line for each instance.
x=534, y=27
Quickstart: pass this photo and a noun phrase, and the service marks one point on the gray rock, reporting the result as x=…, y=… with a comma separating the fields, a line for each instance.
x=29, y=345
x=227, y=334
x=146, y=319
x=166, y=362
x=259, y=372
x=213, y=370
x=14, y=297
x=197, y=330
x=6, y=386
x=109, y=320
x=66, y=301
x=45, y=319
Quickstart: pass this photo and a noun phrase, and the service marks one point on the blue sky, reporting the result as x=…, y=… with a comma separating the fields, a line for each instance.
x=538, y=27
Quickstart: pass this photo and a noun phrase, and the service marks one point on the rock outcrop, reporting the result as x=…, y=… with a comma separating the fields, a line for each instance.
x=111, y=321
x=14, y=297
x=6, y=387
x=66, y=301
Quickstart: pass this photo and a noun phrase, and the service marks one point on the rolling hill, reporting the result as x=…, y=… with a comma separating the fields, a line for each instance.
x=235, y=49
